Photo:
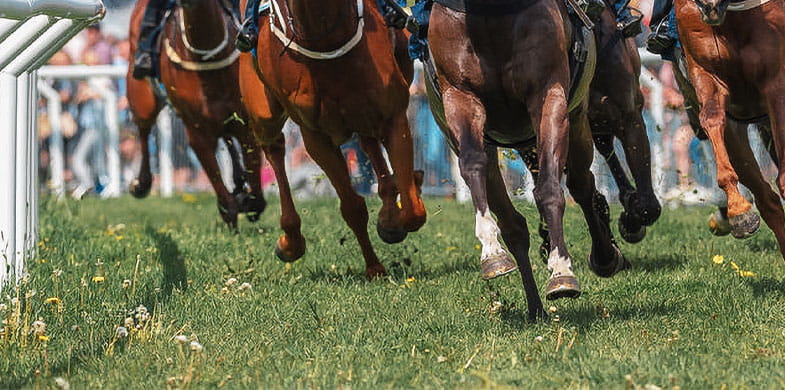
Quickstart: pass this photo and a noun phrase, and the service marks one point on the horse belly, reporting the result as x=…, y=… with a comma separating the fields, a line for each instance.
x=509, y=127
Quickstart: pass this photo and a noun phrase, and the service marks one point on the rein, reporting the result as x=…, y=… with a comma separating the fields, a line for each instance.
x=289, y=43
x=205, y=54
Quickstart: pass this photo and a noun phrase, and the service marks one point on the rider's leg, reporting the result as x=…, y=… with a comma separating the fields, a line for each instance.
x=249, y=34
x=628, y=23
x=143, y=58
x=664, y=34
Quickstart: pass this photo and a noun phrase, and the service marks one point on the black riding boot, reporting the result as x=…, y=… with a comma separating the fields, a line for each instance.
x=249, y=33
x=663, y=35
x=627, y=23
x=148, y=33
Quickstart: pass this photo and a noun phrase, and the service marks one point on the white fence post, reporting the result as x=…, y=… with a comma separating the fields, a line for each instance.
x=165, y=152
x=31, y=31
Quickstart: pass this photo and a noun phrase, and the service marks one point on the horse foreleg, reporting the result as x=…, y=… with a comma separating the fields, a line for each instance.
x=204, y=147
x=291, y=245
x=466, y=117
x=389, y=225
x=238, y=171
x=514, y=232
x=605, y=258
x=631, y=227
x=329, y=157
x=767, y=201
x=744, y=222
x=548, y=110
x=253, y=204
x=638, y=153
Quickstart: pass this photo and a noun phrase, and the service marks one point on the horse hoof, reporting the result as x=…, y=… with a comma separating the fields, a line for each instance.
x=618, y=264
x=138, y=190
x=744, y=225
x=718, y=224
x=391, y=236
x=253, y=207
x=375, y=272
x=288, y=255
x=562, y=287
x=631, y=229
x=496, y=266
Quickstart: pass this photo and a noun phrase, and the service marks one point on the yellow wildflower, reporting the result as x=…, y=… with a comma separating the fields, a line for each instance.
x=410, y=279
x=188, y=198
x=478, y=246
x=43, y=338
x=718, y=259
x=450, y=249
x=53, y=300
x=99, y=279
x=746, y=274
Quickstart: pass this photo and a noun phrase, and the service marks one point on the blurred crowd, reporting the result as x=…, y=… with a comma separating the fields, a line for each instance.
x=686, y=162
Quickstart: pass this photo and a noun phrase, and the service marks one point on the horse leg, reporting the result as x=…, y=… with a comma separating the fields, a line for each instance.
x=631, y=227
x=399, y=145
x=253, y=203
x=388, y=226
x=605, y=258
x=291, y=245
x=329, y=157
x=767, y=201
x=775, y=98
x=548, y=110
x=744, y=222
x=204, y=147
x=238, y=171
x=635, y=142
x=145, y=109
x=514, y=232
x=466, y=117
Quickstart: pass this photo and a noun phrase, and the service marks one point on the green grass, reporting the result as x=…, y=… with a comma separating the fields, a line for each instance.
x=676, y=319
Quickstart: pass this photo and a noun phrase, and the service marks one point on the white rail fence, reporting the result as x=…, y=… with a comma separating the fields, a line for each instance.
x=31, y=31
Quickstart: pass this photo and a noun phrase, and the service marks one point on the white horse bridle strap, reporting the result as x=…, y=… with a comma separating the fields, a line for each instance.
x=317, y=55
x=746, y=5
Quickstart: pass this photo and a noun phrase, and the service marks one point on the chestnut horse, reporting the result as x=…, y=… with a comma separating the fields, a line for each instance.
x=500, y=79
x=199, y=72
x=735, y=55
x=336, y=69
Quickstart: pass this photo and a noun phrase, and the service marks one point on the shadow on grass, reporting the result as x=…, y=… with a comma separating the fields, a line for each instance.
x=659, y=264
x=766, y=286
x=174, y=277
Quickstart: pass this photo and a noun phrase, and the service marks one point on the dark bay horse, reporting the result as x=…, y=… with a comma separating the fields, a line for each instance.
x=500, y=79
x=336, y=69
x=735, y=56
x=615, y=106
x=199, y=72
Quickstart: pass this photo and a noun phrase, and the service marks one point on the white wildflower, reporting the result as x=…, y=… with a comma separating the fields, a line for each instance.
x=39, y=327
x=181, y=339
x=62, y=384
x=245, y=286
x=196, y=347
x=231, y=282
x=121, y=332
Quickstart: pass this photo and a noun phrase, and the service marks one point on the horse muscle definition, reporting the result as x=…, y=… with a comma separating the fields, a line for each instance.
x=197, y=63
x=735, y=56
x=500, y=80
x=336, y=69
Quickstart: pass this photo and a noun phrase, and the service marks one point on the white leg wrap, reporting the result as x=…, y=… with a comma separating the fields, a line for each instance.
x=487, y=232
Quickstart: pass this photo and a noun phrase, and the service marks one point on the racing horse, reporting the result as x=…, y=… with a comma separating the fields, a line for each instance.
x=735, y=59
x=502, y=84
x=615, y=106
x=198, y=69
x=335, y=69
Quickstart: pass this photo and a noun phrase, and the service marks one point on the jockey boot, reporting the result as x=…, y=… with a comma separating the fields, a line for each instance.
x=660, y=41
x=628, y=24
x=148, y=34
x=248, y=35
x=593, y=9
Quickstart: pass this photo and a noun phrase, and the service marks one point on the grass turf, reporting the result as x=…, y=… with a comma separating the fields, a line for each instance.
x=676, y=319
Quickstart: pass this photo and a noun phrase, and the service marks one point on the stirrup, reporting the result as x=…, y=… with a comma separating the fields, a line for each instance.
x=247, y=37
x=143, y=65
x=630, y=25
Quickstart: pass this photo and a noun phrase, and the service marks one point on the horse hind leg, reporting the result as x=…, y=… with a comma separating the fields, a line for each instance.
x=399, y=145
x=466, y=117
x=329, y=157
x=145, y=108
